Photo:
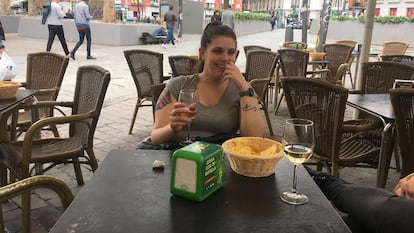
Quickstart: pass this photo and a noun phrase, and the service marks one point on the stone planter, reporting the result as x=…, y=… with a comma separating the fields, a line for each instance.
x=102, y=33
x=354, y=30
x=251, y=27
x=10, y=23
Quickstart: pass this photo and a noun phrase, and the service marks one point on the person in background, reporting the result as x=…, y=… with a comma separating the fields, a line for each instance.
x=55, y=27
x=2, y=36
x=82, y=18
x=228, y=17
x=272, y=21
x=216, y=16
x=69, y=14
x=227, y=103
x=371, y=209
x=160, y=31
x=2, y=48
x=170, y=18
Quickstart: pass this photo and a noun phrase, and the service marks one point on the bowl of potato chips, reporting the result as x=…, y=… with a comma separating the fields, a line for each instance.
x=8, y=89
x=253, y=156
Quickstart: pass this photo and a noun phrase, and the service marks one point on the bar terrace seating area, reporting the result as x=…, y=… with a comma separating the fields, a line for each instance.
x=35, y=160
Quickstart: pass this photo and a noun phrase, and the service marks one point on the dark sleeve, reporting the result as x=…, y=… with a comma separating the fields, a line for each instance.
x=377, y=210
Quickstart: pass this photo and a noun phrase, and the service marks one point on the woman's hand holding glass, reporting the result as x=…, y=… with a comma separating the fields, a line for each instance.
x=189, y=99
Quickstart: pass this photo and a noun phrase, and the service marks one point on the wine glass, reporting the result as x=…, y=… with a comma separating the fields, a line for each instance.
x=190, y=98
x=298, y=143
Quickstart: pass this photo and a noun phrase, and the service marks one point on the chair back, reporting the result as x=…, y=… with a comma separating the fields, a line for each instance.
x=293, y=62
x=248, y=48
x=403, y=59
x=182, y=65
x=379, y=77
x=146, y=68
x=294, y=45
x=351, y=43
x=394, y=48
x=260, y=64
x=402, y=100
x=323, y=103
x=261, y=87
x=91, y=84
x=156, y=91
x=337, y=54
x=45, y=70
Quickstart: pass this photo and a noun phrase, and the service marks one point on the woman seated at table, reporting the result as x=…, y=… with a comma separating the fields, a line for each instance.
x=226, y=103
x=371, y=209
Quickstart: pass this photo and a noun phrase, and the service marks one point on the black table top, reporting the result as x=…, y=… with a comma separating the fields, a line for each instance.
x=126, y=195
x=376, y=104
x=21, y=95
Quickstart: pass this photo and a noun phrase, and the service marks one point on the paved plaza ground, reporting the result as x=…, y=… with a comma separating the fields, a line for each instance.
x=113, y=125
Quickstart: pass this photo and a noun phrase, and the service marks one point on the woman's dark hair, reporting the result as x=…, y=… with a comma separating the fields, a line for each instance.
x=212, y=30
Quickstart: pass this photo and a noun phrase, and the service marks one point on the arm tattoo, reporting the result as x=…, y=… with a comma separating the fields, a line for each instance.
x=163, y=100
x=248, y=107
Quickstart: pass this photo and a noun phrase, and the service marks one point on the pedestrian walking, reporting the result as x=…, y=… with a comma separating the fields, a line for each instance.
x=55, y=26
x=82, y=18
x=170, y=18
x=228, y=17
x=273, y=21
x=216, y=16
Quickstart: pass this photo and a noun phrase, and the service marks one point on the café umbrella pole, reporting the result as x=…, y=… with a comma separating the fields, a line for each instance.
x=366, y=42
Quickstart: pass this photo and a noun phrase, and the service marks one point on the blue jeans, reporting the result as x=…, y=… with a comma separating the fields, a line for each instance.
x=82, y=34
x=53, y=31
x=170, y=35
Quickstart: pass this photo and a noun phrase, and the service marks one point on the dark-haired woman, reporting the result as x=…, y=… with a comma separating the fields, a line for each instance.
x=227, y=104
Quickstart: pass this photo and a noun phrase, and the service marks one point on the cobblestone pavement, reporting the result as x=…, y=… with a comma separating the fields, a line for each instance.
x=113, y=125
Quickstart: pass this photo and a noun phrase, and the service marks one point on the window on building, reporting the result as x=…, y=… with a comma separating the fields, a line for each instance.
x=410, y=11
x=377, y=11
x=393, y=11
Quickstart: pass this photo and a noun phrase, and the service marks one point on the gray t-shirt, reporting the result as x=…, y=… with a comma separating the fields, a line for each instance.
x=56, y=15
x=223, y=118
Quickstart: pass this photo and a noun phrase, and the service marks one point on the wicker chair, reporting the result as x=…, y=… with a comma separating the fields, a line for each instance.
x=45, y=72
x=248, y=48
x=272, y=83
x=24, y=188
x=292, y=62
x=294, y=45
x=339, y=56
x=182, y=65
x=324, y=103
x=156, y=91
x=260, y=64
x=261, y=87
x=91, y=85
x=351, y=43
x=402, y=100
x=403, y=59
x=377, y=78
x=146, y=68
x=394, y=48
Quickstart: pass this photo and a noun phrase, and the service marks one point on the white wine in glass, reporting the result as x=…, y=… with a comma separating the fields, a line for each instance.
x=190, y=98
x=298, y=144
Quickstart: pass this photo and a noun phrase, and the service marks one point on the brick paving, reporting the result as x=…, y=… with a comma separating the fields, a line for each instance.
x=113, y=125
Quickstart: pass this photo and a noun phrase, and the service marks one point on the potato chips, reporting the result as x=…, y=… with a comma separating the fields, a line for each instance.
x=245, y=147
